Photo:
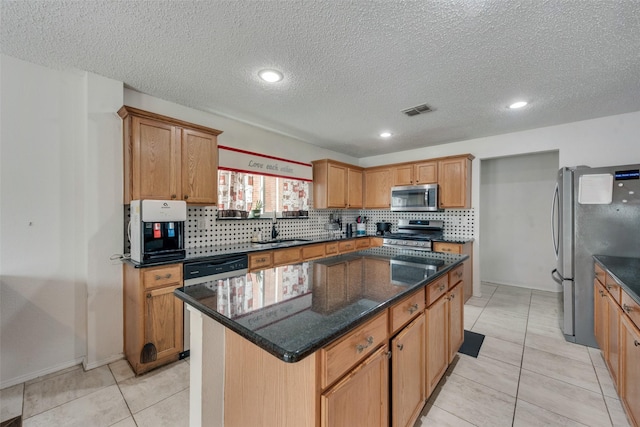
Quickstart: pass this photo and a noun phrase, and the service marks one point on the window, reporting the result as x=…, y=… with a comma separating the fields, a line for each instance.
x=242, y=192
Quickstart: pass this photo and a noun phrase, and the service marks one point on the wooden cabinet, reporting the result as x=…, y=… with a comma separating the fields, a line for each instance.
x=465, y=249
x=455, y=318
x=407, y=373
x=360, y=398
x=362, y=243
x=437, y=352
x=341, y=356
x=616, y=319
x=377, y=188
x=346, y=246
x=454, y=179
x=287, y=256
x=310, y=252
x=153, y=316
x=612, y=353
x=405, y=310
x=168, y=159
x=415, y=173
x=260, y=260
x=336, y=185
x=629, y=389
x=600, y=315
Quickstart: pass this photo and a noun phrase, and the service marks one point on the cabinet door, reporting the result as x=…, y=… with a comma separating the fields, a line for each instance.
x=403, y=175
x=361, y=398
x=155, y=160
x=630, y=369
x=377, y=188
x=613, y=341
x=453, y=180
x=437, y=345
x=164, y=321
x=336, y=186
x=456, y=319
x=354, y=188
x=199, y=167
x=600, y=315
x=426, y=173
x=408, y=373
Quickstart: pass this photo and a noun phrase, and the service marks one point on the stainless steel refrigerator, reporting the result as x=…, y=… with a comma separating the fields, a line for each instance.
x=595, y=211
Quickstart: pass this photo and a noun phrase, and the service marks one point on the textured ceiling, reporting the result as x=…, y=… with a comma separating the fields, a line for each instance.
x=351, y=66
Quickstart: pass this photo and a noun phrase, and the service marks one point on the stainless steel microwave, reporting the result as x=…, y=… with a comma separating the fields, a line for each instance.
x=411, y=198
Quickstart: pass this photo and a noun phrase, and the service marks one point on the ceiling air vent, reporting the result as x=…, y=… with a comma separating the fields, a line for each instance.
x=418, y=109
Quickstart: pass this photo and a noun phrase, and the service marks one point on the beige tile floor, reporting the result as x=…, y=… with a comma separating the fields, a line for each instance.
x=525, y=375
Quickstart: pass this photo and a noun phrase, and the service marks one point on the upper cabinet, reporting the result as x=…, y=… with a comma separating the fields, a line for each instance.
x=454, y=179
x=168, y=159
x=336, y=185
x=415, y=173
x=377, y=188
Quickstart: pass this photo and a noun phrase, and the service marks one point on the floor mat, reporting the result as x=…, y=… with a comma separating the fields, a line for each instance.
x=472, y=343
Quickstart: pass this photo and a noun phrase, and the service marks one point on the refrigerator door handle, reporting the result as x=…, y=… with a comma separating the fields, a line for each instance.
x=553, y=223
x=555, y=275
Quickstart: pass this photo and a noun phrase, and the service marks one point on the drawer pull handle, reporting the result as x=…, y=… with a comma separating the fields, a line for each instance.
x=626, y=308
x=636, y=343
x=609, y=287
x=412, y=309
x=441, y=288
x=400, y=347
x=453, y=296
x=166, y=276
x=361, y=347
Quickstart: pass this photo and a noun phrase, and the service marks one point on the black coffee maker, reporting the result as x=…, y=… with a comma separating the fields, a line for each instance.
x=383, y=228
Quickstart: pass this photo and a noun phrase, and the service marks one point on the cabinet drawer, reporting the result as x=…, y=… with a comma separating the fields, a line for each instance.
x=339, y=357
x=362, y=243
x=286, y=256
x=156, y=277
x=600, y=274
x=436, y=289
x=453, y=248
x=632, y=308
x=613, y=287
x=260, y=260
x=331, y=248
x=456, y=275
x=347, y=246
x=407, y=309
x=312, y=251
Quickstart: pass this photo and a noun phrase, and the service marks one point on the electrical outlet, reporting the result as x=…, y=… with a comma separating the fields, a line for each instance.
x=202, y=224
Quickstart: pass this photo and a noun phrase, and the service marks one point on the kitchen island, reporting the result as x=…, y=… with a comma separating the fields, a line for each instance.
x=293, y=345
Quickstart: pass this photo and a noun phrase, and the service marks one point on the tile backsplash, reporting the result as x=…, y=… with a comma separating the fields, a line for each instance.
x=204, y=229
x=458, y=224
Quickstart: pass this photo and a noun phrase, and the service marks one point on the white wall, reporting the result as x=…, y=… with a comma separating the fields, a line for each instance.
x=237, y=134
x=604, y=141
x=60, y=175
x=515, y=248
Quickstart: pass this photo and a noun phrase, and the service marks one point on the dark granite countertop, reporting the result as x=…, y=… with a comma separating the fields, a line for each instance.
x=626, y=271
x=292, y=311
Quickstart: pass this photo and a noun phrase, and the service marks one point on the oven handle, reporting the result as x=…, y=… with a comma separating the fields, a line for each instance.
x=214, y=277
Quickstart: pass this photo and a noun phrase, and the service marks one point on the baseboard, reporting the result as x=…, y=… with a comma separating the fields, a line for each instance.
x=32, y=376
x=97, y=364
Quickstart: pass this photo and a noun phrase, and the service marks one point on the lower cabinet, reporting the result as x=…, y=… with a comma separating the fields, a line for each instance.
x=456, y=319
x=361, y=397
x=408, y=373
x=437, y=344
x=153, y=316
x=629, y=389
x=618, y=336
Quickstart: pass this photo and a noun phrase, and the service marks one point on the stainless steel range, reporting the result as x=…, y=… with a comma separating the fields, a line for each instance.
x=415, y=234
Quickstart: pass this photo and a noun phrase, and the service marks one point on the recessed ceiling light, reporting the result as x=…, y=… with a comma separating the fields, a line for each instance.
x=518, y=104
x=271, y=76
x=385, y=134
